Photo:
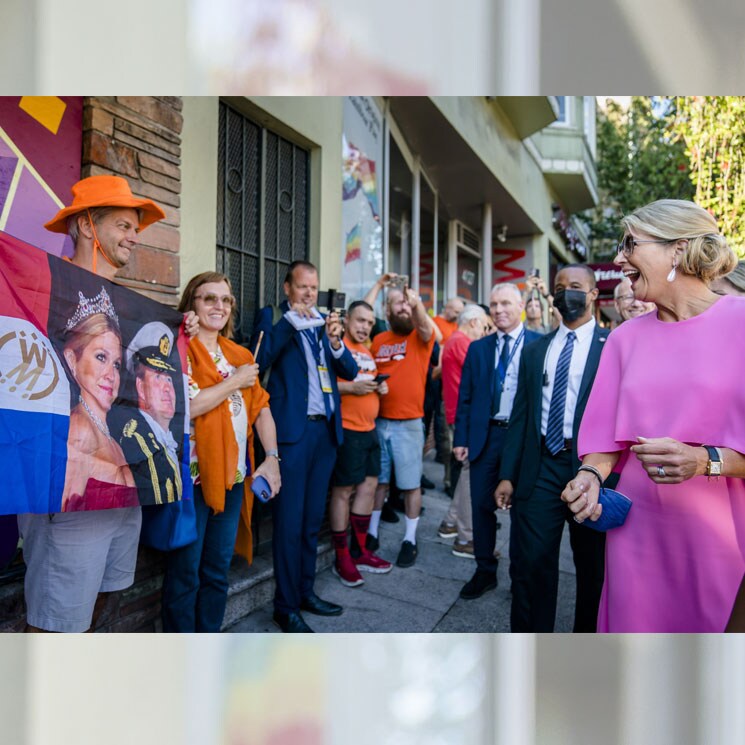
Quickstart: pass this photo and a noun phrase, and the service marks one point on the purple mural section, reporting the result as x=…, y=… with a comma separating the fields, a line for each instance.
x=40, y=153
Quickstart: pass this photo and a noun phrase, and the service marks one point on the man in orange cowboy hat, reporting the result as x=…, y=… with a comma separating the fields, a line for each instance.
x=71, y=557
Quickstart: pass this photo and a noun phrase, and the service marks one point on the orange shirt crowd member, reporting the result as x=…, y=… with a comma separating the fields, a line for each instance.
x=358, y=458
x=360, y=404
x=406, y=359
x=403, y=353
x=447, y=321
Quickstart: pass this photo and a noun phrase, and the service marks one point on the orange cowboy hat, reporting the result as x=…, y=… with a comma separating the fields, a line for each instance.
x=104, y=191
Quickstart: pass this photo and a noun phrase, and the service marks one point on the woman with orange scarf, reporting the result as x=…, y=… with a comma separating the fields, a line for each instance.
x=226, y=402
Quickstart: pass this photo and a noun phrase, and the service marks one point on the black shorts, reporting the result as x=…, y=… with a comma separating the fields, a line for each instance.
x=357, y=458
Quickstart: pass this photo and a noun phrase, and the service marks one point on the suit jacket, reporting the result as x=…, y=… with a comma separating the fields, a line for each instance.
x=282, y=348
x=474, y=395
x=521, y=457
x=157, y=475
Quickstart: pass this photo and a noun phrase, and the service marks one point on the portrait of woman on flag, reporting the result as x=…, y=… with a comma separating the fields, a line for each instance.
x=97, y=475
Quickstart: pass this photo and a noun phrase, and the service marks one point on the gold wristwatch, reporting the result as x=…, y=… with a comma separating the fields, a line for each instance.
x=714, y=466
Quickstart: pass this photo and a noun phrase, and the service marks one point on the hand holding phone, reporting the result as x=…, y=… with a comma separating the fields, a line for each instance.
x=261, y=489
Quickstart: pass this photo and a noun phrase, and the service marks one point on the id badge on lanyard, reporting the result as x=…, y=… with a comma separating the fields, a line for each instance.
x=325, y=378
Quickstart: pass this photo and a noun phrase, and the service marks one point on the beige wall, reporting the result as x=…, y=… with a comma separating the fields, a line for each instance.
x=199, y=186
x=88, y=46
x=88, y=690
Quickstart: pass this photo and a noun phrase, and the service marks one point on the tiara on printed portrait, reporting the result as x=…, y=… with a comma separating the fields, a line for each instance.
x=101, y=303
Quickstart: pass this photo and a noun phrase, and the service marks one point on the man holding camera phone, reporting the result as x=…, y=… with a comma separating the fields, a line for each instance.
x=307, y=355
x=358, y=458
x=403, y=353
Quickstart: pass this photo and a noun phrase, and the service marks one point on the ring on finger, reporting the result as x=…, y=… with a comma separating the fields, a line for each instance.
x=661, y=472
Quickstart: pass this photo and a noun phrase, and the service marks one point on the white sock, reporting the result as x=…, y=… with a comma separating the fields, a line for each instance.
x=374, y=523
x=411, y=523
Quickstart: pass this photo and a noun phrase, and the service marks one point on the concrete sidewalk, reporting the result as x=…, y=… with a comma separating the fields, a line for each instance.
x=422, y=598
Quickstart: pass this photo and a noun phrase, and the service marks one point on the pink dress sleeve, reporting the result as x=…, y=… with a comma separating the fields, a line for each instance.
x=598, y=430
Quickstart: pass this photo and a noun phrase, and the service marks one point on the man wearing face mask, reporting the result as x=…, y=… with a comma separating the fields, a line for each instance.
x=554, y=382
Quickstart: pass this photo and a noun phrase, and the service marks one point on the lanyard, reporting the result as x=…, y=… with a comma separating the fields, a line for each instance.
x=315, y=344
x=502, y=374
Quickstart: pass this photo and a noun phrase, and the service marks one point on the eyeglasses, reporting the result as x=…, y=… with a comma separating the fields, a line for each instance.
x=211, y=299
x=626, y=298
x=628, y=244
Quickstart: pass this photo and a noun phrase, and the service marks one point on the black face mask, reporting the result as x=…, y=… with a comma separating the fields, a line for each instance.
x=570, y=303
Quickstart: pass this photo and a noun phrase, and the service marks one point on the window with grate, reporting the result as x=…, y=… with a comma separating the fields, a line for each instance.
x=262, y=212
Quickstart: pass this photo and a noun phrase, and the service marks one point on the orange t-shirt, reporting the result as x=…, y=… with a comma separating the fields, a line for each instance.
x=447, y=328
x=359, y=412
x=406, y=360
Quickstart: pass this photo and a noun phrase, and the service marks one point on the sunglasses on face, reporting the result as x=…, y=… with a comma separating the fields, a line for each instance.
x=210, y=299
x=628, y=244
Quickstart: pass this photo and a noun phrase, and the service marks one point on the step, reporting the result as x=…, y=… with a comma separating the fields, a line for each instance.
x=251, y=587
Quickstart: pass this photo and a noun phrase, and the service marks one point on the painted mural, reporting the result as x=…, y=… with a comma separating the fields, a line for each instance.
x=40, y=154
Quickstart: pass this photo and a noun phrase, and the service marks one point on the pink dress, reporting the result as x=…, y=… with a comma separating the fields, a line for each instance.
x=677, y=562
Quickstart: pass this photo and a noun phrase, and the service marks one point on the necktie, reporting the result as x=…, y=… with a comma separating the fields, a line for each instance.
x=555, y=427
x=499, y=375
x=315, y=347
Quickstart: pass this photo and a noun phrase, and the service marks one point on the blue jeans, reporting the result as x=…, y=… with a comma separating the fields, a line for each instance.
x=195, y=587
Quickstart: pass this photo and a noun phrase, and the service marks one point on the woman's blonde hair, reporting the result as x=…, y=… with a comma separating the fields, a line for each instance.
x=707, y=255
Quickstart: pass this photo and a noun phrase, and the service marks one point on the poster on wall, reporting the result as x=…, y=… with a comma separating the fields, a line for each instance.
x=40, y=152
x=362, y=227
x=93, y=411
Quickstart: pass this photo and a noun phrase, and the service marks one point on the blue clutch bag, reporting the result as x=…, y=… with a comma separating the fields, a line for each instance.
x=615, y=508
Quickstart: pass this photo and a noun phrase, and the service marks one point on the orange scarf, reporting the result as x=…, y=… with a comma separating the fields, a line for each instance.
x=216, y=446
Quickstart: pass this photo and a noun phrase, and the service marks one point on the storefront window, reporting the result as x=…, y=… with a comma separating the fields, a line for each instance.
x=468, y=275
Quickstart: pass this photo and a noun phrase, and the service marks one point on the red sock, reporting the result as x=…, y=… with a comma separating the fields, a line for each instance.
x=339, y=541
x=360, y=524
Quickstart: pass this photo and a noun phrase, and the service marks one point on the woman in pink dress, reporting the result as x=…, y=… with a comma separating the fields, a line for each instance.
x=667, y=411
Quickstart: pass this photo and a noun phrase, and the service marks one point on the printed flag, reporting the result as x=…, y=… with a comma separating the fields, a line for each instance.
x=93, y=404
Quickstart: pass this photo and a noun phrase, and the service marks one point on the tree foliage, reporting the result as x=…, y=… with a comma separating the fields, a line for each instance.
x=712, y=129
x=640, y=158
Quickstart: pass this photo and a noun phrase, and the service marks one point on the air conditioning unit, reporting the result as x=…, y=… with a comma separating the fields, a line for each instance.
x=467, y=239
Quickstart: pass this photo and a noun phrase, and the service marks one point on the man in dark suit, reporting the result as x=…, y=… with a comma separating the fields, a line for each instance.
x=147, y=441
x=540, y=457
x=306, y=355
x=485, y=398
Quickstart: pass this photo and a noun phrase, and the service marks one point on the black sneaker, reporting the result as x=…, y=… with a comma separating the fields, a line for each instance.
x=480, y=583
x=407, y=555
x=371, y=543
x=388, y=514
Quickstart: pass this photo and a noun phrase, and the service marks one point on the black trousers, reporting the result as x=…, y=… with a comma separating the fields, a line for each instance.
x=484, y=473
x=538, y=524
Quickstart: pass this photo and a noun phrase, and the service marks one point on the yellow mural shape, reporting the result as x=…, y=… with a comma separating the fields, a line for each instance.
x=47, y=110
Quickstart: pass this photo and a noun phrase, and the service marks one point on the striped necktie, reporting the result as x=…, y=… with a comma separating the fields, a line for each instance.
x=555, y=427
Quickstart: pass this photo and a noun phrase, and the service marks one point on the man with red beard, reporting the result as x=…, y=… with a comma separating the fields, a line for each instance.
x=403, y=353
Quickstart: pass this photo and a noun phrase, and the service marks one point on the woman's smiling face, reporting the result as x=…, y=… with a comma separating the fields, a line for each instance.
x=97, y=370
x=213, y=304
x=647, y=266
